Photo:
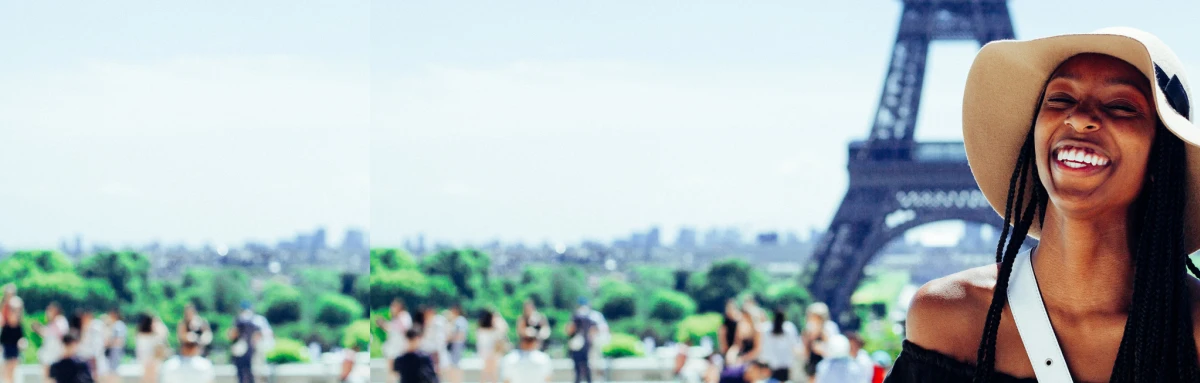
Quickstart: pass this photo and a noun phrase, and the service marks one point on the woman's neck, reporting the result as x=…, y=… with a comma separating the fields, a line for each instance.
x=1084, y=266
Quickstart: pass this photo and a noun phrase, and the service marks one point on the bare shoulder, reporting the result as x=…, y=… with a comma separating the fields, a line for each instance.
x=947, y=314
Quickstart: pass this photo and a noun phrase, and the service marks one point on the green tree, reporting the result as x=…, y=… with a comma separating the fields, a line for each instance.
x=649, y=278
x=357, y=334
x=337, y=310
x=315, y=280
x=391, y=259
x=125, y=271
x=623, y=345
x=468, y=269
x=229, y=288
x=196, y=277
x=282, y=303
x=442, y=292
x=681, y=279
x=785, y=295
x=196, y=288
x=409, y=285
x=362, y=293
x=670, y=306
x=24, y=264
x=38, y=290
x=566, y=286
x=724, y=279
x=287, y=351
x=618, y=300
x=695, y=327
x=98, y=295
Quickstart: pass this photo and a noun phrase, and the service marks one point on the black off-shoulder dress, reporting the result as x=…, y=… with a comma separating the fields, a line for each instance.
x=917, y=364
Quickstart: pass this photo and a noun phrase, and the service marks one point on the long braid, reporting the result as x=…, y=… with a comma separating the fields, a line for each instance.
x=1007, y=252
x=1158, y=344
x=1185, y=346
x=987, y=347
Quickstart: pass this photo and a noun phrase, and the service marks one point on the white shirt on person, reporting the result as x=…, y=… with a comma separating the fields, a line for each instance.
x=842, y=370
x=52, y=347
x=396, y=344
x=188, y=369
x=433, y=340
x=522, y=366
x=779, y=350
x=864, y=359
x=91, y=344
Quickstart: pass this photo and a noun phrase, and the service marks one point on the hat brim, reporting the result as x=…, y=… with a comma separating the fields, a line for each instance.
x=1001, y=97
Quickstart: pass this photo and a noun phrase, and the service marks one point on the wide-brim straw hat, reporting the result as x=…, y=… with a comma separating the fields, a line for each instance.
x=1008, y=76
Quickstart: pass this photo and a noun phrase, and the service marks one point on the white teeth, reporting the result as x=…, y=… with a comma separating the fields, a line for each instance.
x=1077, y=158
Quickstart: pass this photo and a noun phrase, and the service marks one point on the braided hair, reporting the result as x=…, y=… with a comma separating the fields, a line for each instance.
x=1157, y=344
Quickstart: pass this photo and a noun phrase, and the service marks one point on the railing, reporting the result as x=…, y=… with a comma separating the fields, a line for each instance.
x=940, y=152
x=948, y=151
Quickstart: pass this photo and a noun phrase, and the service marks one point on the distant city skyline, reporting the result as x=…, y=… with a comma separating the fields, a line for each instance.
x=332, y=239
x=937, y=234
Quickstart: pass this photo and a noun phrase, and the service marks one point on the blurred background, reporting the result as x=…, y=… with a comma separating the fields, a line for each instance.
x=157, y=154
x=659, y=158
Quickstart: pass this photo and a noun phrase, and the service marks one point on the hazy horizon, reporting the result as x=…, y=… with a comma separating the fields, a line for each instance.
x=542, y=121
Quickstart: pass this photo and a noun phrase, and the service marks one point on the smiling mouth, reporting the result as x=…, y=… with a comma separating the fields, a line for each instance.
x=1078, y=158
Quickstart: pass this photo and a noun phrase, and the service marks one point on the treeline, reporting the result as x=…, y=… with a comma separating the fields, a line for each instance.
x=648, y=301
x=314, y=305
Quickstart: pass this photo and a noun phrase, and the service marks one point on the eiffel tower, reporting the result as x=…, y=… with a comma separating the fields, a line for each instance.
x=896, y=183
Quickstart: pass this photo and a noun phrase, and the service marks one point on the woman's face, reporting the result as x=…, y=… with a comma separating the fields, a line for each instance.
x=1092, y=135
x=731, y=310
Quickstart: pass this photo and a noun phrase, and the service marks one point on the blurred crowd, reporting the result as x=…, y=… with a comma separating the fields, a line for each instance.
x=752, y=346
x=428, y=347
x=756, y=347
x=81, y=347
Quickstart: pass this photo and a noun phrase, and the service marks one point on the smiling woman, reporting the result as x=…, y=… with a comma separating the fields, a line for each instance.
x=1101, y=179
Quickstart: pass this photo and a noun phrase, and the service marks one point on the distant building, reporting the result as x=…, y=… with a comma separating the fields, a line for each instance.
x=318, y=239
x=355, y=241
x=768, y=239
x=637, y=241
x=732, y=237
x=686, y=239
x=712, y=238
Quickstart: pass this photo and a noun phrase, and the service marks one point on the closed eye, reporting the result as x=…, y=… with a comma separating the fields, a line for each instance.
x=1059, y=101
x=1124, y=109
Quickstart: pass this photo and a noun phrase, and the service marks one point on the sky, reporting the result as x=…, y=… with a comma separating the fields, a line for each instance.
x=216, y=122
x=561, y=121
